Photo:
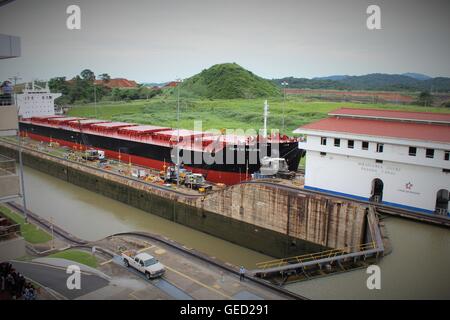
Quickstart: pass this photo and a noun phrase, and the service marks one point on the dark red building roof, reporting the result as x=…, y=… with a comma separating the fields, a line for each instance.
x=171, y=84
x=392, y=115
x=422, y=126
x=381, y=128
x=118, y=83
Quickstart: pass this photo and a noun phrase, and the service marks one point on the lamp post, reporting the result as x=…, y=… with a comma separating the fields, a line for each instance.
x=53, y=234
x=178, y=81
x=22, y=179
x=284, y=84
x=15, y=78
x=95, y=100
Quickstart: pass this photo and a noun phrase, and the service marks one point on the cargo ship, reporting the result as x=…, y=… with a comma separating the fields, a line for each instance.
x=221, y=158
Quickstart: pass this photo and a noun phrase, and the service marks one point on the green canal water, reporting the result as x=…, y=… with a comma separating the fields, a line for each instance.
x=419, y=266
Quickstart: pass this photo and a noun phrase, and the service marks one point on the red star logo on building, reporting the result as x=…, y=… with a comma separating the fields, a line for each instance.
x=409, y=186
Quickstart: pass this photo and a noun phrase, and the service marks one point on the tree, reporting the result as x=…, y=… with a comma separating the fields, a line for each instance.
x=60, y=85
x=425, y=99
x=105, y=77
x=87, y=75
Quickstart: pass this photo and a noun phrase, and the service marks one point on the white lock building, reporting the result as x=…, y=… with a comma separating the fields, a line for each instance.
x=397, y=158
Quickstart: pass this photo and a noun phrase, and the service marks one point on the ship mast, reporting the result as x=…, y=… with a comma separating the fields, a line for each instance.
x=266, y=114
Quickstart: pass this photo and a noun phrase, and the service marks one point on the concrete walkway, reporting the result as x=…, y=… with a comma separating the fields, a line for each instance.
x=187, y=276
x=63, y=263
x=55, y=278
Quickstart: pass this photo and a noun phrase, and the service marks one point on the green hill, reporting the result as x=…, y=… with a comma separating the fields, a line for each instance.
x=229, y=81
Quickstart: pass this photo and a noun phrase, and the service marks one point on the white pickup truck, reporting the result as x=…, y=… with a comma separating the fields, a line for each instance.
x=143, y=262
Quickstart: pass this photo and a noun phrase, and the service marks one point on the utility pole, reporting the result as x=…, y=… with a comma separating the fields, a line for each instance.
x=53, y=234
x=14, y=79
x=95, y=100
x=178, y=130
x=266, y=114
x=284, y=84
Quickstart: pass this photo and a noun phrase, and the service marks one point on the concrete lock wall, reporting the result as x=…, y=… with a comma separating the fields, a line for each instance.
x=9, y=185
x=267, y=219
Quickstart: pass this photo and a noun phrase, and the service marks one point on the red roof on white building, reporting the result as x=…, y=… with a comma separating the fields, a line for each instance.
x=385, y=123
x=392, y=115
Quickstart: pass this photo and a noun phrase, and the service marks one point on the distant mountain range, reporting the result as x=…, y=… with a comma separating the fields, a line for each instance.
x=154, y=84
x=417, y=76
x=373, y=81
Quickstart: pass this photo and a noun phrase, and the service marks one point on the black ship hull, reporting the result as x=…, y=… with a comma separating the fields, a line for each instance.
x=230, y=165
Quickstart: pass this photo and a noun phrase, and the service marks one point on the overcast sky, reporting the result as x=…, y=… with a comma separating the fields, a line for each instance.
x=160, y=40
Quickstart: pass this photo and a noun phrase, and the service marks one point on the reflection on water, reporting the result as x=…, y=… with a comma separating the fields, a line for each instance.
x=417, y=268
x=91, y=216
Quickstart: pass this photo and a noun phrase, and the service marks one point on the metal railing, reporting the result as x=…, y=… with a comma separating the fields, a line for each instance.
x=315, y=256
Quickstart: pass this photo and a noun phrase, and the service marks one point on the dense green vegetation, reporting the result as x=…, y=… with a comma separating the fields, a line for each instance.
x=374, y=81
x=225, y=113
x=231, y=81
x=78, y=256
x=82, y=89
x=29, y=231
x=228, y=81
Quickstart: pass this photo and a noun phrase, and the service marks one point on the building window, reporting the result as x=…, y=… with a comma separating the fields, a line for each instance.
x=412, y=151
x=430, y=153
x=365, y=145
x=446, y=155
x=323, y=154
x=351, y=144
x=378, y=161
x=337, y=142
x=323, y=141
x=380, y=147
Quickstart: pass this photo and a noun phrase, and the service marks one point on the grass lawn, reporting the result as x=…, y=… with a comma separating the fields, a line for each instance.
x=29, y=231
x=77, y=256
x=225, y=114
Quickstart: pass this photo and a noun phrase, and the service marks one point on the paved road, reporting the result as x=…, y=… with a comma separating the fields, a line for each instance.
x=160, y=283
x=55, y=278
